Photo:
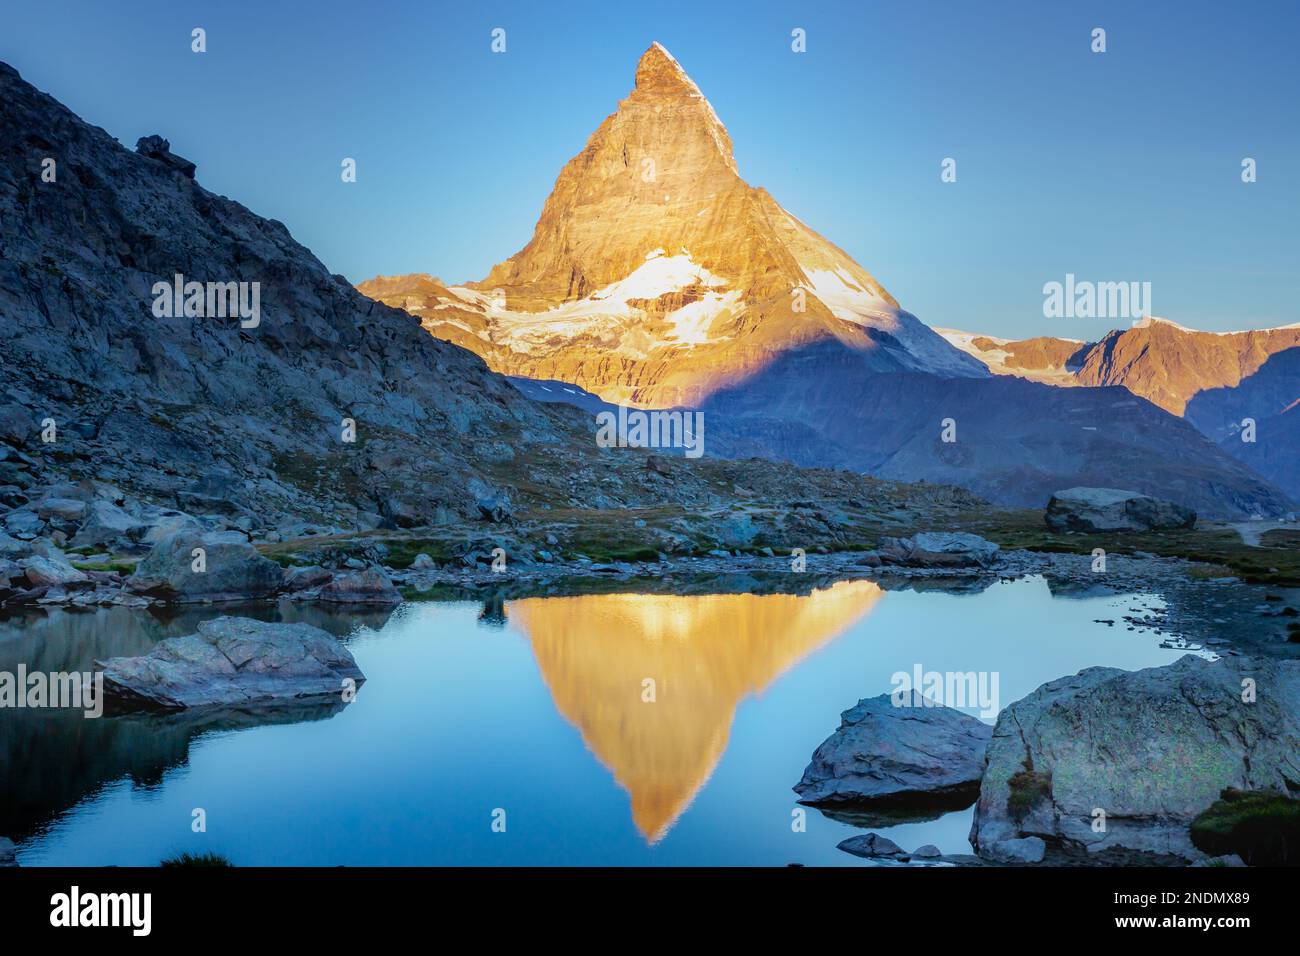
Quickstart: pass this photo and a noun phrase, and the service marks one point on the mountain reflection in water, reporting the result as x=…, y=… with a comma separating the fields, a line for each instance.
x=705, y=653
x=533, y=705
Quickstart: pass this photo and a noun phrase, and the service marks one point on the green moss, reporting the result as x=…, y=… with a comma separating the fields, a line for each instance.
x=1260, y=826
x=1029, y=789
x=125, y=568
x=403, y=551
x=196, y=860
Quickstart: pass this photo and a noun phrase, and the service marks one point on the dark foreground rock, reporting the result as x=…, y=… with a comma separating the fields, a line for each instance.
x=230, y=569
x=231, y=662
x=871, y=845
x=884, y=752
x=1108, y=509
x=1110, y=759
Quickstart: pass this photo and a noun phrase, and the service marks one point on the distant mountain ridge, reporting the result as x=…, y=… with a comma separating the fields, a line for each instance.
x=1160, y=360
x=1216, y=380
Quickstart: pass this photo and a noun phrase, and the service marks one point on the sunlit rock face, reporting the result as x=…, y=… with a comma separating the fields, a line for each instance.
x=656, y=273
x=705, y=654
x=1160, y=360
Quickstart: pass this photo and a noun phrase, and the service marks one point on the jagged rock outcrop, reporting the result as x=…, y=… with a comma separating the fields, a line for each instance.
x=155, y=147
x=233, y=662
x=1109, y=509
x=1111, y=759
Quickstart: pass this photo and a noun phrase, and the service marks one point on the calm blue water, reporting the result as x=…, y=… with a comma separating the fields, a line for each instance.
x=541, y=716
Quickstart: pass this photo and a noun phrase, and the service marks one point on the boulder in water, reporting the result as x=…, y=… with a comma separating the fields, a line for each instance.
x=233, y=662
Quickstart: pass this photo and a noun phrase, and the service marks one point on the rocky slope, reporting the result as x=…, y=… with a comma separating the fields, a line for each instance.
x=656, y=274
x=216, y=425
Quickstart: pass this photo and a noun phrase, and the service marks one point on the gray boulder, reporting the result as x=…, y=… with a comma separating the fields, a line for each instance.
x=871, y=845
x=1144, y=752
x=106, y=525
x=305, y=578
x=232, y=662
x=50, y=572
x=16, y=424
x=370, y=586
x=158, y=526
x=939, y=549
x=8, y=853
x=884, y=752
x=495, y=507
x=1109, y=509
x=232, y=569
x=11, y=547
x=24, y=523
x=63, y=510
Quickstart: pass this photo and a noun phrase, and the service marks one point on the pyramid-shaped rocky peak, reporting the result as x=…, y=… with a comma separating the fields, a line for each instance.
x=659, y=72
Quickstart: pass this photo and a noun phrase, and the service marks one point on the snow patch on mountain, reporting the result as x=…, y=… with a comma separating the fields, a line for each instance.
x=607, y=309
x=849, y=301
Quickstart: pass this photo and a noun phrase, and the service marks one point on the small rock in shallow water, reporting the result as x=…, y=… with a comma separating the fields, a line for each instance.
x=871, y=845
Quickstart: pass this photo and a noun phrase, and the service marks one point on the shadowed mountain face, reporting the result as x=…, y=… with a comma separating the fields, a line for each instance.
x=656, y=274
x=1271, y=399
x=1015, y=441
x=704, y=653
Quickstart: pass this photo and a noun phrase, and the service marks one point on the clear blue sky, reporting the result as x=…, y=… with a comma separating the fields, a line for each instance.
x=1118, y=166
